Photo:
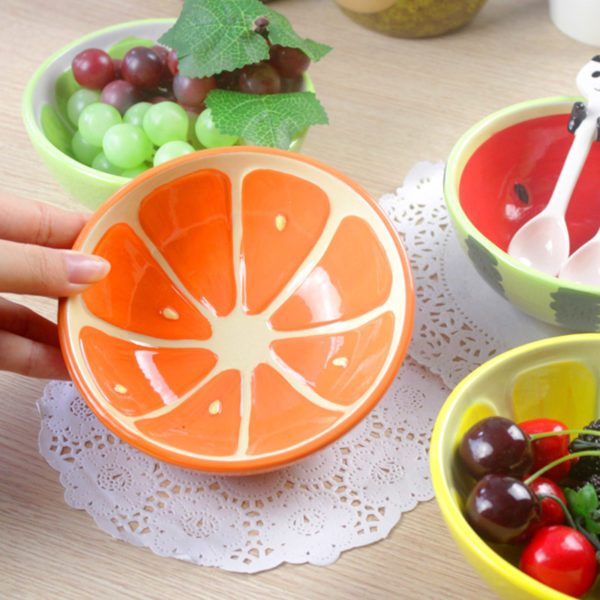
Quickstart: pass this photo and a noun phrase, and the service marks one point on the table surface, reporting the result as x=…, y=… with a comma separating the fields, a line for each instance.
x=392, y=102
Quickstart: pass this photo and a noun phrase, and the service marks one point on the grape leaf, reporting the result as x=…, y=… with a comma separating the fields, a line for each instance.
x=211, y=36
x=265, y=120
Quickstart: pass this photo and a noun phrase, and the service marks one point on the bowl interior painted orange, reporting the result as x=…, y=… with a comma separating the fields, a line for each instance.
x=528, y=154
x=257, y=307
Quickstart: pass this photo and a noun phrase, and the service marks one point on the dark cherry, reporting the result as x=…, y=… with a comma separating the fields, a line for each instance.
x=500, y=508
x=496, y=445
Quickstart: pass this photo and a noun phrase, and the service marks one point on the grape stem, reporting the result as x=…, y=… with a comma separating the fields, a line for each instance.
x=260, y=24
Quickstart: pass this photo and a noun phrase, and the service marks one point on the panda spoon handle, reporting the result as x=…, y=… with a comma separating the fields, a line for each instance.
x=543, y=241
x=571, y=169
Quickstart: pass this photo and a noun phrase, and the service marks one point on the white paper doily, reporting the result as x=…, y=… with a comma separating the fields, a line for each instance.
x=348, y=495
x=460, y=321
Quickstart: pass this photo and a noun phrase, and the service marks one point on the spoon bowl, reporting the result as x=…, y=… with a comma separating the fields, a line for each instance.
x=542, y=243
x=583, y=266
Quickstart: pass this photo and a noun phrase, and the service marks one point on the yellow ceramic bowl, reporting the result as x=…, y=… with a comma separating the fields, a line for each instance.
x=557, y=378
x=258, y=305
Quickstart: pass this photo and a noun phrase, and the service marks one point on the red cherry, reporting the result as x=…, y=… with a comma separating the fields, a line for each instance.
x=546, y=450
x=561, y=558
x=551, y=511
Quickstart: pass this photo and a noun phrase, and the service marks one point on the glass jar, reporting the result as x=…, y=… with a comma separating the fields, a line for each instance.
x=411, y=18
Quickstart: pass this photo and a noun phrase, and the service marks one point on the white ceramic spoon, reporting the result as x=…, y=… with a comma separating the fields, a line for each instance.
x=583, y=266
x=543, y=242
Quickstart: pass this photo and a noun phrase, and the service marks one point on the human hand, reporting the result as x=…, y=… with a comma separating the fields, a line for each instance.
x=34, y=259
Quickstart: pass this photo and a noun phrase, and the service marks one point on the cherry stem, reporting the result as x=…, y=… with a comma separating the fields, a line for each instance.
x=545, y=434
x=572, y=523
x=559, y=461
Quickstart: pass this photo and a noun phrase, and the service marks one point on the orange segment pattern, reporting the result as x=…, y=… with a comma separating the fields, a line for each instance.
x=138, y=379
x=339, y=367
x=189, y=221
x=137, y=295
x=207, y=423
x=282, y=218
x=281, y=416
x=352, y=278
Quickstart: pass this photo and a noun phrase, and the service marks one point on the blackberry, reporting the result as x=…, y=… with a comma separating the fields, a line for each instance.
x=594, y=480
x=586, y=466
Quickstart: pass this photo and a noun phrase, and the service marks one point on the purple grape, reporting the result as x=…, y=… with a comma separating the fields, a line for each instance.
x=496, y=445
x=288, y=62
x=500, y=508
x=142, y=67
x=173, y=62
x=93, y=68
x=259, y=78
x=228, y=80
x=291, y=85
x=192, y=91
x=166, y=78
x=121, y=94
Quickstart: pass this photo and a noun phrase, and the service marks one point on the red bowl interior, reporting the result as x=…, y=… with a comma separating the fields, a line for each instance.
x=530, y=153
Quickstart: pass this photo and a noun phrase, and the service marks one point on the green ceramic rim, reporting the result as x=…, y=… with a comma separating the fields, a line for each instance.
x=30, y=120
x=37, y=134
x=460, y=154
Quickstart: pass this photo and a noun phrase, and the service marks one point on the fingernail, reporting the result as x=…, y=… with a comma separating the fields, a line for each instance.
x=85, y=268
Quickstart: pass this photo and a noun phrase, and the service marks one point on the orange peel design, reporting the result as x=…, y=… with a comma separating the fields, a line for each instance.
x=258, y=306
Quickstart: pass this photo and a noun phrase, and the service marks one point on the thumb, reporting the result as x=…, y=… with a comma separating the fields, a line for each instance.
x=32, y=269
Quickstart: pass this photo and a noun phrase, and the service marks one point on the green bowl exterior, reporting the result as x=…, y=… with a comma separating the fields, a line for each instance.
x=549, y=299
x=88, y=186
x=490, y=385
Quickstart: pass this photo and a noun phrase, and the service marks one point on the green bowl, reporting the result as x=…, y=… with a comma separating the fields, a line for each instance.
x=530, y=381
x=44, y=110
x=501, y=173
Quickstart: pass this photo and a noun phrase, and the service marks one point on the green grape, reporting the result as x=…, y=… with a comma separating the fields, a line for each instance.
x=166, y=122
x=95, y=120
x=135, y=114
x=78, y=101
x=126, y=145
x=83, y=151
x=136, y=170
x=171, y=150
x=101, y=163
x=192, y=138
x=209, y=135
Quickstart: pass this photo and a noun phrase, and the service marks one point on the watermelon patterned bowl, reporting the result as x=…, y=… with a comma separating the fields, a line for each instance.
x=258, y=305
x=499, y=175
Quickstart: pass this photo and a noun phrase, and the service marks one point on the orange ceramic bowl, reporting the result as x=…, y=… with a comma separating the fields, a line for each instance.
x=258, y=306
